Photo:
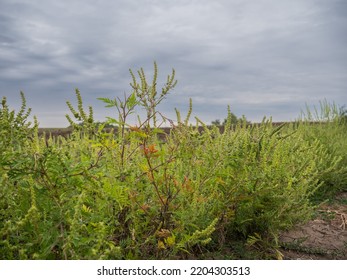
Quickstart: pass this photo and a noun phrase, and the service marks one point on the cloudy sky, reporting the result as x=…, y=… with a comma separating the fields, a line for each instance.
x=261, y=57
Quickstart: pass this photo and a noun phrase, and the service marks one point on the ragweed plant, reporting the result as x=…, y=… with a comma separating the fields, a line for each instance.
x=136, y=192
x=85, y=121
x=324, y=125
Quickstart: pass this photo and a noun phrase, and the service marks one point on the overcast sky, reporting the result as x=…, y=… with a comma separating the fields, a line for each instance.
x=261, y=57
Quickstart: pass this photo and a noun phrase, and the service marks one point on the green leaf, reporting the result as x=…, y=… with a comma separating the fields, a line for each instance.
x=112, y=121
x=131, y=102
x=109, y=102
x=158, y=130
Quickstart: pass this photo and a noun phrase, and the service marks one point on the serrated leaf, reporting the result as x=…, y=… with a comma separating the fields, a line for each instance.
x=131, y=101
x=158, y=130
x=108, y=101
x=112, y=120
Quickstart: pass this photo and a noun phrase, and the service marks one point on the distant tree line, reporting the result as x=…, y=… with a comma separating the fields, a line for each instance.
x=234, y=120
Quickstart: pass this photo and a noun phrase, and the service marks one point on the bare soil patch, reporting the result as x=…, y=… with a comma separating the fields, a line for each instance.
x=323, y=238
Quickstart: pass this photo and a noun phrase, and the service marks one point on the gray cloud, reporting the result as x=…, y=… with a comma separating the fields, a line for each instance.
x=262, y=57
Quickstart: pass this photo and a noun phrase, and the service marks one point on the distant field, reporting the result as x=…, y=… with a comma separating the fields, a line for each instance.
x=65, y=131
x=54, y=132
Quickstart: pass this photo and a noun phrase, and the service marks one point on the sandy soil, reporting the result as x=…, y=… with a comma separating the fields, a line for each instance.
x=323, y=238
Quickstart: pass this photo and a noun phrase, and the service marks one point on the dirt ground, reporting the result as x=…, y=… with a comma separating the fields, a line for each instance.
x=323, y=238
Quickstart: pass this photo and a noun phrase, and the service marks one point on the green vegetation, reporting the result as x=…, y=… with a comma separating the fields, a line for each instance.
x=141, y=193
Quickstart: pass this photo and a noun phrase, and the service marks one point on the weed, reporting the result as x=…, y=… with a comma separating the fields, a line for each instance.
x=134, y=192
